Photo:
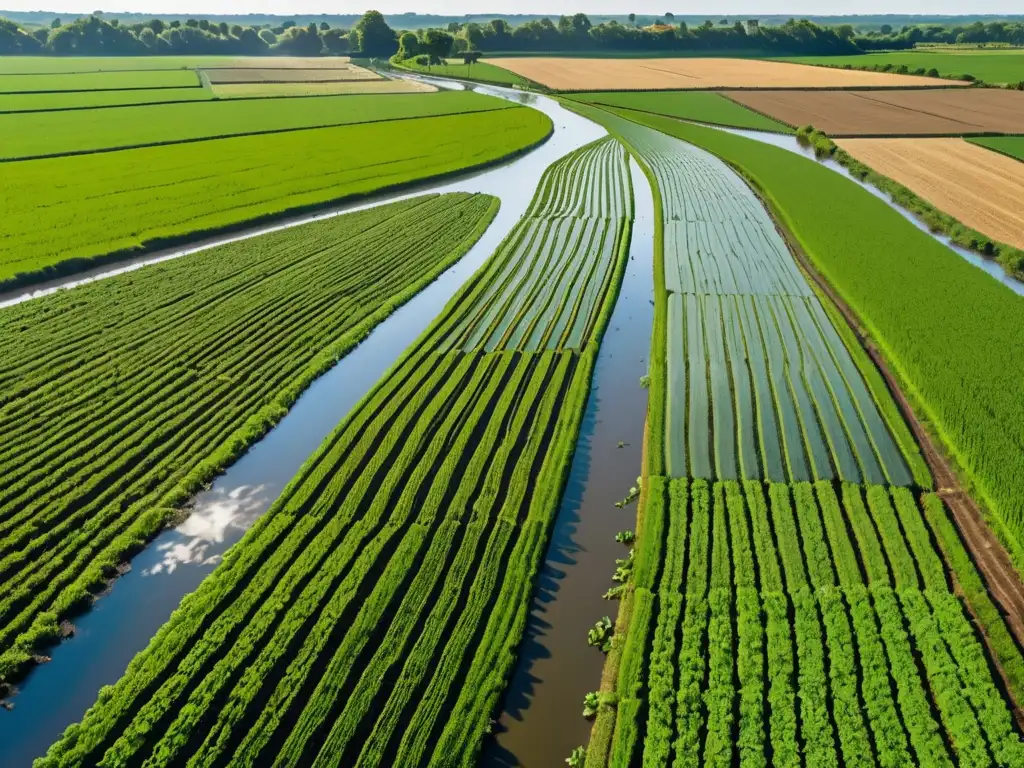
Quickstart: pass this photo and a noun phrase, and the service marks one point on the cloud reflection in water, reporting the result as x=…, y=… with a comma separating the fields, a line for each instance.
x=215, y=516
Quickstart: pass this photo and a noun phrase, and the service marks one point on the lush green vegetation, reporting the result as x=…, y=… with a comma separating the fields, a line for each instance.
x=944, y=325
x=998, y=66
x=1007, y=145
x=98, y=81
x=20, y=65
x=701, y=106
x=61, y=214
x=847, y=649
x=370, y=616
x=58, y=133
x=480, y=71
x=43, y=102
x=122, y=398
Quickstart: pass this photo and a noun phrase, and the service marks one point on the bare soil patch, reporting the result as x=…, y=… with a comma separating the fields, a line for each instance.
x=290, y=75
x=981, y=188
x=569, y=74
x=953, y=111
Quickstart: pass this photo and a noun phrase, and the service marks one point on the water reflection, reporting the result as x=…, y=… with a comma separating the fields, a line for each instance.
x=208, y=525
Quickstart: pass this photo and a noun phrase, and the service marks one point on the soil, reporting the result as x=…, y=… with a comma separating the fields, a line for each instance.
x=289, y=75
x=572, y=74
x=978, y=187
x=948, y=111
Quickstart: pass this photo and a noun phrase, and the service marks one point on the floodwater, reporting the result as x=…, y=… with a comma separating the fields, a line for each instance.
x=56, y=694
x=788, y=142
x=542, y=720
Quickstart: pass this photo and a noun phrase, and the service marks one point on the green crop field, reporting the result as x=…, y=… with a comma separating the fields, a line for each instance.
x=98, y=81
x=370, y=617
x=57, y=133
x=1007, y=145
x=808, y=621
x=482, y=71
x=701, y=106
x=151, y=382
x=20, y=65
x=61, y=214
x=69, y=100
x=1000, y=66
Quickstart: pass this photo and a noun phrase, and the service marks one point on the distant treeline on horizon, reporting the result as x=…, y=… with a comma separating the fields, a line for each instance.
x=374, y=35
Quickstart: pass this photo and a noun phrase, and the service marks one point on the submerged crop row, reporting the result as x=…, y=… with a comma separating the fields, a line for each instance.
x=122, y=398
x=774, y=624
x=371, y=616
x=759, y=384
x=546, y=286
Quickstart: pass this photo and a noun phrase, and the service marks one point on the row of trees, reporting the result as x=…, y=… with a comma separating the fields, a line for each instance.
x=372, y=36
x=94, y=36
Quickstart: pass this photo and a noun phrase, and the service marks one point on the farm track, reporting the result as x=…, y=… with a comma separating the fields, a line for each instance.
x=371, y=616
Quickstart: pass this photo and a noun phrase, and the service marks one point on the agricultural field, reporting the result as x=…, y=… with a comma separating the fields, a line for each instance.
x=801, y=621
x=953, y=111
x=81, y=131
x=990, y=66
x=1011, y=146
x=565, y=74
x=289, y=75
x=699, y=106
x=175, y=370
x=62, y=214
x=98, y=81
x=982, y=189
x=15, y=65
x=481, y=71
x=370, y=617
x=337, y=88
x=69, y=100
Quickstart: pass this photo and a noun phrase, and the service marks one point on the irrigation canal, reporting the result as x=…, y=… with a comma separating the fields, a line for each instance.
x=120, y=624
x=541, y=721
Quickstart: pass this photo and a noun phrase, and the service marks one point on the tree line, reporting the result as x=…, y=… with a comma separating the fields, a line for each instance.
x=372, y=36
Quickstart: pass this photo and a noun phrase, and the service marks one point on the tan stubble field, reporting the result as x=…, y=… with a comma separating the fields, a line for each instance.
x=570, y=74
x=981, y=188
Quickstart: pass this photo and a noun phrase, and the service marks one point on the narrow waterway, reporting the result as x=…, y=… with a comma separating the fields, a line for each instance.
x=542, y=720
x=57, y=693
x=789, y=142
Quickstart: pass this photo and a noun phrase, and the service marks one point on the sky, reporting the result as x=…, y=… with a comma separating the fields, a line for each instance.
x=546, y=7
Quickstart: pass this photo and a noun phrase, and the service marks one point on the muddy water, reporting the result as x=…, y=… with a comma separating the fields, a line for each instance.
x=541, y=721
x=787, y=142
x=121, y=623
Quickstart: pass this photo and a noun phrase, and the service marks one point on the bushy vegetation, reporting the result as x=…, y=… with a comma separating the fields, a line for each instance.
x=62, y=214
x=60, y=133
x=1011, y=258
x=700, y=106
x=370, y=616
x=150, y=383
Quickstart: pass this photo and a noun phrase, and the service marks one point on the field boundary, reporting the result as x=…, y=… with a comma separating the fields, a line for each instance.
x=72, y=266
x=198, y=85
x=218, y=137
x=998, y=151
x=707, y=122
x=720, y=88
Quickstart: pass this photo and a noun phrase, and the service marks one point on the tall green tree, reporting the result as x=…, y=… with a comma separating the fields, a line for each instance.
x=376, y=38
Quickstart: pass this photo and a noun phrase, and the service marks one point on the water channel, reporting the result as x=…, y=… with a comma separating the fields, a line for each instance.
x=57, y=693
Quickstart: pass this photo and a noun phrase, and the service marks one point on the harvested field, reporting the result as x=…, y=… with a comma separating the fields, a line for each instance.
x=886, y=113
x=983, y=189
x=336, y=88
x=289, y=75
x=284, y=62
x=565, y=74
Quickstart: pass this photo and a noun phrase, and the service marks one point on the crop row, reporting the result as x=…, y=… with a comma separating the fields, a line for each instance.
x=122, y=398
x=576, y=231
x=845, y=651
x=62, y=214
x=371, y=616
